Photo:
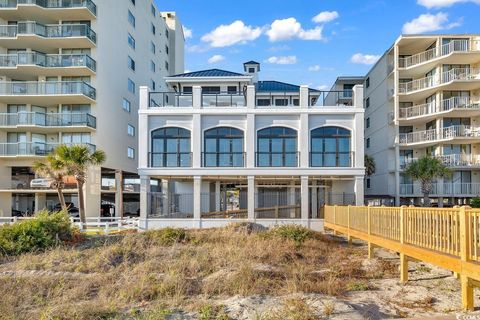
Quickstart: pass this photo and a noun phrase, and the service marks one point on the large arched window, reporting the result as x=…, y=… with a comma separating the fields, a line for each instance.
x=330, y=147
x=223, y=148
x=171, y=148
x=277, y=147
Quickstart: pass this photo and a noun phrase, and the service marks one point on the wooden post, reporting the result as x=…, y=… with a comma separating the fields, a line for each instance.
x=467, y=287
x=371, y=253
x=349, y=237
x=335, y=219
x=403, y=257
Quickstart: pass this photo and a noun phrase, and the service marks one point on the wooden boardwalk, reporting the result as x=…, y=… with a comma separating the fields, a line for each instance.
x=448, y=238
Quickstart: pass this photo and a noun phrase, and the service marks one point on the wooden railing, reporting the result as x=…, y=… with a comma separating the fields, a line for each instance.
x=448, y=238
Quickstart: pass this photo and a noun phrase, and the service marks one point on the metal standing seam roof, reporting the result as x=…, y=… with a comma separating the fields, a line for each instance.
x=208, y=73
x=275, y=86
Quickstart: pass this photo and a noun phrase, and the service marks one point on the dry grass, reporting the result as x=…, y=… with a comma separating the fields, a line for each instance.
x=140, y=276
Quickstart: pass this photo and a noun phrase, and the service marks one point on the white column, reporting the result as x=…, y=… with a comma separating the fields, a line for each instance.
x=250, y=141
x=217, y=196
x=144, y=198
x=197, y=141
x=165, y=197
x=358, y=134
x=304, y=97
x=304, y=135
x=196, y=97
x=251, y=97
x=358, y=96
x=291, y=198
x=251, y=198
x=197, y=189
x=304, y=197
x=314, y=199
x=143, y=139
x=359, y=191
x=40, y=201
x=92, y=192
x=118, y=193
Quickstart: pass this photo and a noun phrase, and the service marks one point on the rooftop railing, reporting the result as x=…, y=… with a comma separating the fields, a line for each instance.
x=224, y=99
x=47, y=60
x=41, y=88
x=277, y=99
x=33, y=148
x=47, y=119
x=170, y=99
x=48, y=31
x=333, y=98
x=442, y=106
x=51, y=4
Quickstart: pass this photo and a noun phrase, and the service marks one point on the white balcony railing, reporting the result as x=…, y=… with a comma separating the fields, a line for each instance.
x=446, y=49
x=47, y=119
x=32, y=148
x=43, y=88
x=442, y=189
x=442, y=106
x=450, y=160
x=459, y=131
x=455, y=74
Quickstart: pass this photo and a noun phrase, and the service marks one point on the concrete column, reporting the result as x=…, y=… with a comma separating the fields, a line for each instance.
x=5, y=204
x=251, y=198
x=197, y=97
x=304, y=97
x=304, y=197
x=291, y=198
x=197, y=141
x=197, y=201
x=92, y=192
x=304, y=137
x=251, y=97
x=40, y=202
x=165, y=197
x=359, y=191
x=217, y=196
x=144, y=198
x=358, y=96
x=314, y=199
x=118, y=193
x=143, y=135
x=250, y=140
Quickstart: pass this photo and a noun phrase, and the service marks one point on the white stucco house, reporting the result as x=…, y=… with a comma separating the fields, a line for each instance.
x=221, y=146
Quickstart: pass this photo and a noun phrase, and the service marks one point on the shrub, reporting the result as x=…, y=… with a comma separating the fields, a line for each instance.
x=167, y=236
x=293, y=232
x=41, y=233
x=475, y=203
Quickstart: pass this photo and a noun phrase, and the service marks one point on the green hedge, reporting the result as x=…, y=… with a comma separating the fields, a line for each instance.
x=47, y=230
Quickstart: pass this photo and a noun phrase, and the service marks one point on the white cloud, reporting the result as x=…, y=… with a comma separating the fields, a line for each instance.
x=235, y=33
x=361, y=58
x=197, y=48
x=322, y=87
x=314, y=68
x=187, y=33
x=325, y=16
x=216, y=58
x=429, y=22
x=442, y=3
x=290, y=28
x=282, y=60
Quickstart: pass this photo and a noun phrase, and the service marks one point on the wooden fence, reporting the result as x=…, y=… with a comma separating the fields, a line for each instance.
x=448, y=238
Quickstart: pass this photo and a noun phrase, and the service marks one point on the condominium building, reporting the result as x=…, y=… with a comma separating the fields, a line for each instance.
x=422, y=98
x=221, y=146
x=70, y=73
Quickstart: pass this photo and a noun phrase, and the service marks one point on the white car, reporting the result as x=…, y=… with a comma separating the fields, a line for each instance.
x=42, y=183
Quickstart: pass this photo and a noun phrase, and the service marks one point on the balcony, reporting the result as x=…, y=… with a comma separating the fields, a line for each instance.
x=277, y=159
x=48, y=120
x=433, y=136
x=170, y=159
x=47, y=92
x=463, y=161
x=223, y=159
x=47, y=37
x=26, y=64
x=32, y=149
x=170, y=100
x=443, y=189
x=454, y=46
x=47, y=9
x=467, y=106
x=224, y=99
x=332, y=159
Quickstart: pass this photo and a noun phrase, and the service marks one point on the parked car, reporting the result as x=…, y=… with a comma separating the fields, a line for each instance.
x=45, y=183
x=71, y=209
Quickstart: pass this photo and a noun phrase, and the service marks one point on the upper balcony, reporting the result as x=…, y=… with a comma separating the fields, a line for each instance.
x=464, y=134
x=47, y=10
x=23, y=65
x=454, y=107
x=454, y=161
x=32, y=149
x=454, y=79
x=48, y=121
x=47, y=37
x=47, y=92
x=442, y=189
x=422, y=62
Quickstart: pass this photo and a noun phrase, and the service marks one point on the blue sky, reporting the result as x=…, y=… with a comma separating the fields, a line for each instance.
x=310, y=41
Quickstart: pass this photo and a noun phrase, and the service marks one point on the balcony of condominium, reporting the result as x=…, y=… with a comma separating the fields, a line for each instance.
x=455, y=106
x=412, y=63
x=32, y=149
x=22, y=65
x=445, y=189
x=46, y=92
x=48, y=122
x=46, y=10
x=464, y=78
x=46, y=37
x=453, y=161
x=424, y=138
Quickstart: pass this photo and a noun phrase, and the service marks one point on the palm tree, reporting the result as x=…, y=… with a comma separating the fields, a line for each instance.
x=369, y=163
x=53, y=168
x=77, y=159
x=426, y=169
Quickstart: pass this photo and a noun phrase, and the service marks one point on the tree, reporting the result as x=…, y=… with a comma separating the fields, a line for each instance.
x=426, y=169
x=53, y=168
x=369, y=164
x=77, y=159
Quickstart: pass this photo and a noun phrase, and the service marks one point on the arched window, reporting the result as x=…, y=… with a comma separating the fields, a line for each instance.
x=171, y=148
x=223, y=148
x=330, y=147
x=277, y=147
